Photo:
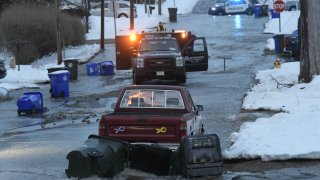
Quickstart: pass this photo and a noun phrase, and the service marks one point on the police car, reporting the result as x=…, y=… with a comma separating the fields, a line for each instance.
x=232, y=7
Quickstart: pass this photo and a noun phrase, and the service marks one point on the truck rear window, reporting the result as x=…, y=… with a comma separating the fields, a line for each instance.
x=149, y=98
x=158, y=45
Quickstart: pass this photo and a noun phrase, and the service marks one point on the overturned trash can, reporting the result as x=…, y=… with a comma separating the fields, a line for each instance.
x=59, y=82
x=173, y=14
x=104, y=157
x=106, y=68
x=92, y=69
x=198, y=155
x=72, y=67
x=30, y=103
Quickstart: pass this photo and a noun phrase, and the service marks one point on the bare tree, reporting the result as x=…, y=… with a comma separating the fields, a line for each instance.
x=309, y=29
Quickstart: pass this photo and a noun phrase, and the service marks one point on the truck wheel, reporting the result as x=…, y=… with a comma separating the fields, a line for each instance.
x=136, y=80
x=122, y=15
x=182, y=79
x=19, y=112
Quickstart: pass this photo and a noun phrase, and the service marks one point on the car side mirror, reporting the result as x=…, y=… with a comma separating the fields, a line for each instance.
x=199, y=107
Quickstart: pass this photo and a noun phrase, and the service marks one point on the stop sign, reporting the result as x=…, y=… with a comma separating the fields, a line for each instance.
x=279, y=6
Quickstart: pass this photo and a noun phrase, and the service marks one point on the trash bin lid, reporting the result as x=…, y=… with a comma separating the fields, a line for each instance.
x=60, y=72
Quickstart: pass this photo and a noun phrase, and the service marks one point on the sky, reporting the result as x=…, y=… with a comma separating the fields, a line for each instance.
x=291, y=133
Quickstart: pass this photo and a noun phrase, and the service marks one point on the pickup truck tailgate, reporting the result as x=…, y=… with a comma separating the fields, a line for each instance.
x=156, y=128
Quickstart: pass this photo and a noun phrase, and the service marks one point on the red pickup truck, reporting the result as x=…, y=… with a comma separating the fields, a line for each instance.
x=153, y=114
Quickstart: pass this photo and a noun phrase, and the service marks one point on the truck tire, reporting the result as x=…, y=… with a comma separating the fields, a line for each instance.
x=19, y=112
x=182, y=79
x=136, y=80
x=122, y=15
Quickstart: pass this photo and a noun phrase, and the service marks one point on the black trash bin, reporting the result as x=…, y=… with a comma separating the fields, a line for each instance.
x=173, y=14
x=264, y=10
x=72, y=67
x=103, y=157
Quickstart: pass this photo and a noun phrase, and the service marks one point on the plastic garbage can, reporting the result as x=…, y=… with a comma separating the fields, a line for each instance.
x=106, y=68
x=173, y=14
x=59, y=81
x=278, y=43
x=30, y=102
x=72, y=67
x=264, y=10
x=92, y=69
x=274, y=14
x=99, y=156
x=257, y=10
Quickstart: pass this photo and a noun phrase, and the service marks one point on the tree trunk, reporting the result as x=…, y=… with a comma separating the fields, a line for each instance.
x=309, y=28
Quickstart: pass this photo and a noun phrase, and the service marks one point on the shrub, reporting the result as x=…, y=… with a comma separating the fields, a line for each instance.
x=29, y=30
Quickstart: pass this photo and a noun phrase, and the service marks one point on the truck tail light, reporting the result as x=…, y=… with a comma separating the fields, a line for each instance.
x=102, y=128
x=133, y=37
x=183, y=129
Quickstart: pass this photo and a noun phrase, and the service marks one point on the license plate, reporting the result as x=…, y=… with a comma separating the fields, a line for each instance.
x=160, y=73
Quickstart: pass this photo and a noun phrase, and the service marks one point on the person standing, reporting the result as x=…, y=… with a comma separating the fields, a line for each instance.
x=161, y=27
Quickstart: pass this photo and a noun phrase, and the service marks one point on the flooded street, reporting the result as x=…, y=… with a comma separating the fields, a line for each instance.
x=35, y=147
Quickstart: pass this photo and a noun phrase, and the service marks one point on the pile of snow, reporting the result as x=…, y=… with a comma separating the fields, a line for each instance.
x=291, y=134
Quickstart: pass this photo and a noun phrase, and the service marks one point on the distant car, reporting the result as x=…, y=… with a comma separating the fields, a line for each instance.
x=122, y=9
x=292, y=5
x=232, y=7
x=3, y=70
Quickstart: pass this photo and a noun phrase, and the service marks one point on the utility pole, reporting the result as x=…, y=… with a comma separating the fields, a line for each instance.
x=58, y=31
x=159, y=7
x=131, y=15
x=102, y=25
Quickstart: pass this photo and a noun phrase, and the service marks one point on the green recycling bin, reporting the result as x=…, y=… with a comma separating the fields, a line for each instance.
x=173, y=14
x=72, y=67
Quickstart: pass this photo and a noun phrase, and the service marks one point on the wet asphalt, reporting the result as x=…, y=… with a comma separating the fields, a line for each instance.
x=236, y=49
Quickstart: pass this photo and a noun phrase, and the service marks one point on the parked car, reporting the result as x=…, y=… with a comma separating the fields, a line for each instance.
x=159, y=114
x=232, y=7
x=3, y=70
x=122, y=9
x=292, y=45
x=292, y=5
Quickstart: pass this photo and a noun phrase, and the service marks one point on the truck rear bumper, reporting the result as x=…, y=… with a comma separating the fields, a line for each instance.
x=172, y=146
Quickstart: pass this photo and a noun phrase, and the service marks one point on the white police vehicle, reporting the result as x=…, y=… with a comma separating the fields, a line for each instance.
x=232, y=7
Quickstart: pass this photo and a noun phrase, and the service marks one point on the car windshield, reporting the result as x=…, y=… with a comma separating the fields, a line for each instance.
x=149, y=98
x=158, y=45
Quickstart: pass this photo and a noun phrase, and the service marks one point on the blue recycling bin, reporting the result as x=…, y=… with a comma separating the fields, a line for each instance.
x=274, y=14
x=278, y=43
x=106, y=68
x=30, y=102
x=257, y=10
x=92, y=69
x=59, y=81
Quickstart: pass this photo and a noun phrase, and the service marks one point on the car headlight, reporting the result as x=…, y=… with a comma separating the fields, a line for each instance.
x=140, y=63
x=179, y=61
x=213, y=9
